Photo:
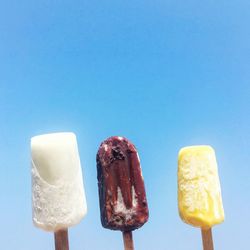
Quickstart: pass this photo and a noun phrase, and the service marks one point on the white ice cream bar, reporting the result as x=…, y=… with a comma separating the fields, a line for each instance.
x=57, y=188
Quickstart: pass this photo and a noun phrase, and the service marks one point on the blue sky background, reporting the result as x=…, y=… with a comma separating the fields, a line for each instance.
x=165, y=74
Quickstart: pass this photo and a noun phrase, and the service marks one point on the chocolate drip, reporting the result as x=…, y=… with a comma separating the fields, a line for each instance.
x=122, y=196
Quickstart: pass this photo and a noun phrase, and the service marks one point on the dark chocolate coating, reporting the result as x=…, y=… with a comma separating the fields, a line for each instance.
x=122, y=196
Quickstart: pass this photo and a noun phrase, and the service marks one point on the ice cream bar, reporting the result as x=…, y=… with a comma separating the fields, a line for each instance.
x=199, y=193
x=122, y=196
x=57, y=187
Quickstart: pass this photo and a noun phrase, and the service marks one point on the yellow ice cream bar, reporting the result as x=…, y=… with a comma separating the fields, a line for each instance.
x=199, y=194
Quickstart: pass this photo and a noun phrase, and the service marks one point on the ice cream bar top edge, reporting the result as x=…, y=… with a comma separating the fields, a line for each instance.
x=196, y=148
x=52, y=138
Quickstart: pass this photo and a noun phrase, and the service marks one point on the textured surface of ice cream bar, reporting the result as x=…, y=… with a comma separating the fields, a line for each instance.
x=123, y=203
x=57, y=188
x=199, y=193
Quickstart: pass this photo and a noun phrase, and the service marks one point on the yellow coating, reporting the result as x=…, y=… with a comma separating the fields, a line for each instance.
x=199, y=193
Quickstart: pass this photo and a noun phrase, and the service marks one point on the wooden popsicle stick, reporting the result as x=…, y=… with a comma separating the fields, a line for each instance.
x=128, y=240
x=207, y=239
x=61, y=239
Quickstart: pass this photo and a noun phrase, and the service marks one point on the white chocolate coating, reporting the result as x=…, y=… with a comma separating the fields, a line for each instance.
x=58, y=195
